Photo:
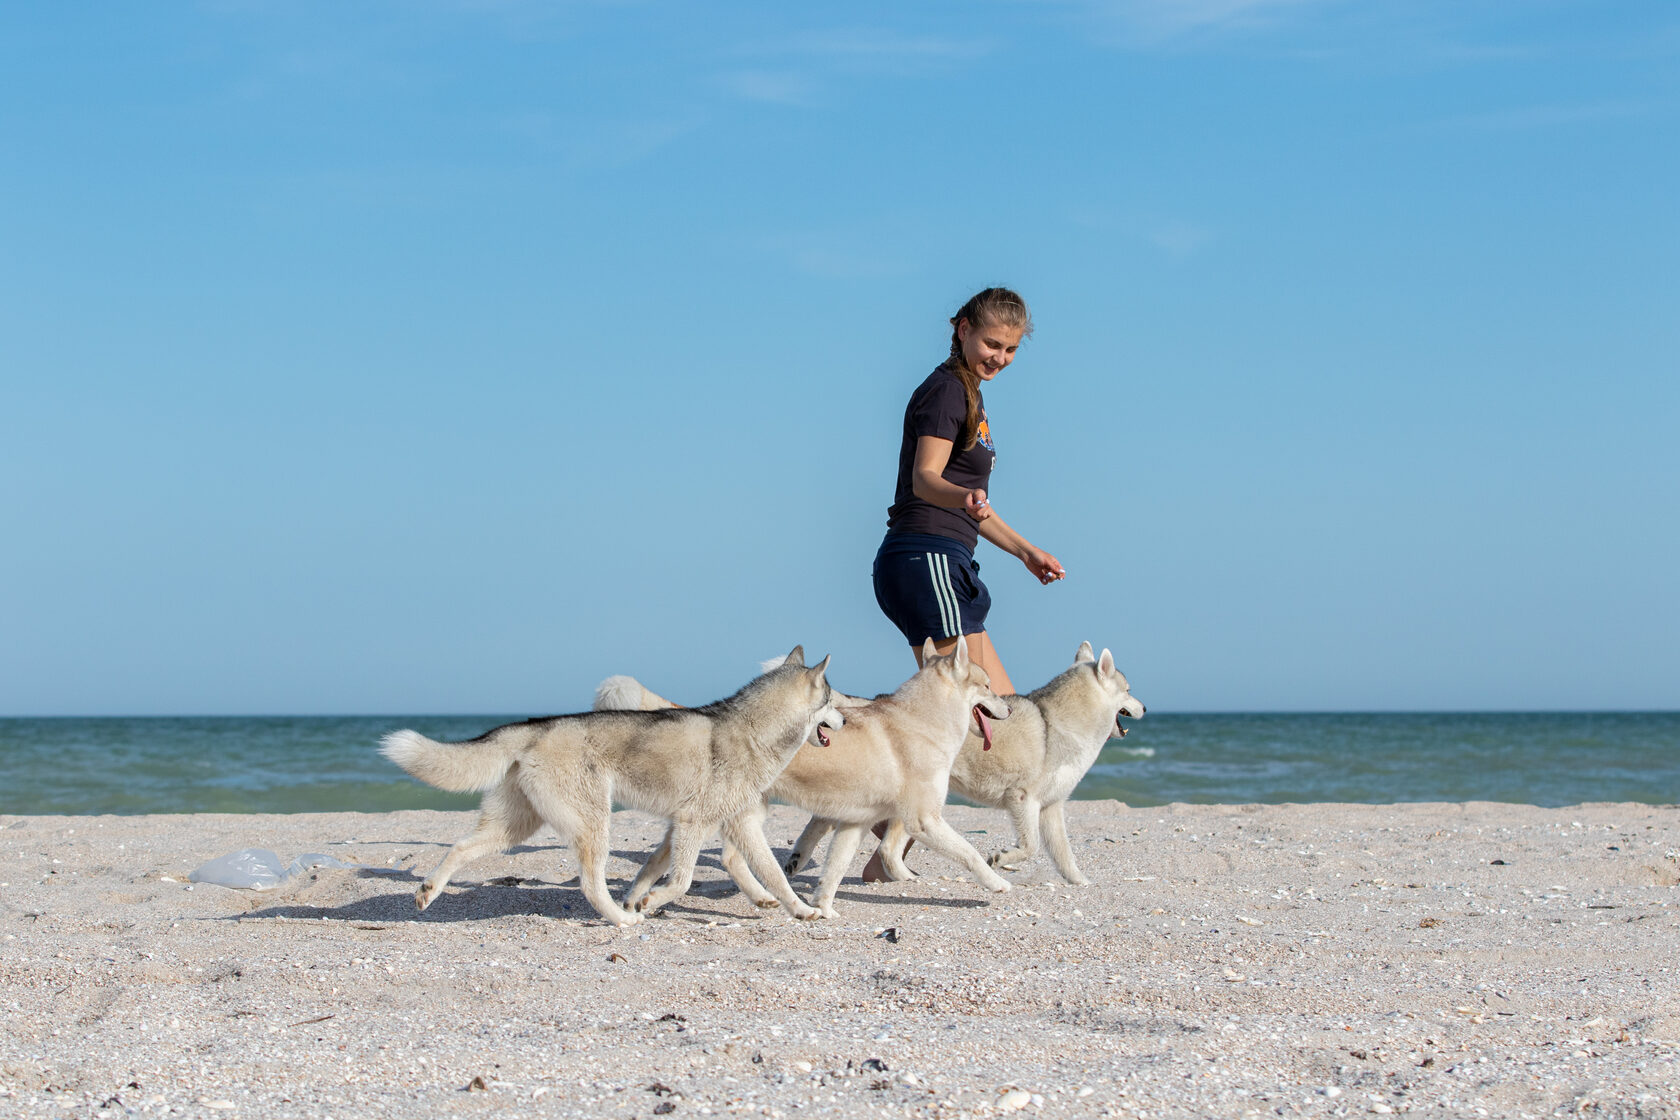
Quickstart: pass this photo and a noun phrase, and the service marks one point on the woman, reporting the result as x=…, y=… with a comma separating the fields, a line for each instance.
x=926, y=578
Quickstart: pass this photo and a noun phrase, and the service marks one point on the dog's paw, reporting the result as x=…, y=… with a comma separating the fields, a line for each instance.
x=625, y=919
x=424, y=896
x=1078, y=880
x=808, y=913
x=1000, y=886
x=791, y=867
x=766, y=903
x=826, y=912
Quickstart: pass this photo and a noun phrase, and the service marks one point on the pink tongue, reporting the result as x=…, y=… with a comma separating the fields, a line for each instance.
x=985, y=723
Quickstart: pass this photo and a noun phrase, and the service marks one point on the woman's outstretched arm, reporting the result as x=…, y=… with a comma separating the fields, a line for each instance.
x=1045, y=567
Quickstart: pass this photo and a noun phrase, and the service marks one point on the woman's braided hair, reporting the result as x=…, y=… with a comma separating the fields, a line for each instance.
x=994, y=307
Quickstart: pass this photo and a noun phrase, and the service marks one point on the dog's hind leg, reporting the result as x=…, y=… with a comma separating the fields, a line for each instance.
x=806, y=846
x=841, y=849
x=684, y=839
x=1056, y=840
x=657, y=864
x=505, y=819
x=747, y=853
x=1023, y=809
x=584, y=817
x=893, y=846
x=931, y=829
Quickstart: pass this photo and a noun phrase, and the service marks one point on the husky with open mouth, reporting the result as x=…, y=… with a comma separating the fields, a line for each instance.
x=1030, y=767
x=891, y=760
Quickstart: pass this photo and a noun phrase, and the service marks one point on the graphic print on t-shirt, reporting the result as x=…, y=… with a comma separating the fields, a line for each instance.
x=984, y=436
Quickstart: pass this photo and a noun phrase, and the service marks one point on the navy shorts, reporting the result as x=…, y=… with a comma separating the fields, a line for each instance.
x=929, y=587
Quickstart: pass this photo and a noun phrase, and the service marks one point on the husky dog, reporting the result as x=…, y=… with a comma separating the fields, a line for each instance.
x=892, y=759
x=699, y=768
x=1030, y=766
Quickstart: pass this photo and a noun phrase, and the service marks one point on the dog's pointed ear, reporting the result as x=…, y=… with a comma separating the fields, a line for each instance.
x=961, y=652
x=929, y=651
x=820, y=669
x=1105, y=664
x=1085, y=654
x=796, y=658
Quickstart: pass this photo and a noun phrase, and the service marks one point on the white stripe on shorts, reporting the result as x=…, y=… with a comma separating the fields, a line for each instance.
x=939, y=566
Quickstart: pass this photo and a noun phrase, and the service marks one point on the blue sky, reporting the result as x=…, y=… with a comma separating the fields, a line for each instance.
x=448, y=357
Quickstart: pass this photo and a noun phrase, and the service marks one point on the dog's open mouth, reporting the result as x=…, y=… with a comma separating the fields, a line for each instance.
x=985, y=723
x=822, y=735
x=1119, y=729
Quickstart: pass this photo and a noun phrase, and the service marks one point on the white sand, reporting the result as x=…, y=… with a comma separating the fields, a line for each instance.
x=1227, y=961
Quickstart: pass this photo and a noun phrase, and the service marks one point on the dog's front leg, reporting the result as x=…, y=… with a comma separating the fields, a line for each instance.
x=932, y=830
x=841, y=849
x=806, y=846
x=743, y=836
x=893, y=846
x=656, y=866
x=1056, y=840
x=737, y=865
x=1023, y=809
x=684, y=839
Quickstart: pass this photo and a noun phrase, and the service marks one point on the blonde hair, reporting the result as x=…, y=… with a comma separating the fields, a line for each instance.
x=993, y=307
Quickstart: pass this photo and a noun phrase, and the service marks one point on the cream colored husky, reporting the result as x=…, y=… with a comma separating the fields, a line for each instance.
x=1030, y=767
x=699, y=768
x=891, y=760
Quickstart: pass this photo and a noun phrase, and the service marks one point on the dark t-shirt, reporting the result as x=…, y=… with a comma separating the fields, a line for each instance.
x=937, y=408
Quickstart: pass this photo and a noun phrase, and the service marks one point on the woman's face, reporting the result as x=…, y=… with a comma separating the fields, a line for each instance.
x=987, y=348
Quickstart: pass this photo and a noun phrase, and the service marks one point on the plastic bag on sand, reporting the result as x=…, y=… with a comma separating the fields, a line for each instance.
x=259, y=869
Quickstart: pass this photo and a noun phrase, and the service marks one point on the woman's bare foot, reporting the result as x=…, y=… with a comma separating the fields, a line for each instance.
x=873, y=871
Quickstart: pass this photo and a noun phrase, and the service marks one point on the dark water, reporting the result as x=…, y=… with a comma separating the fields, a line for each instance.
x=288, y=764
x=1537, y=758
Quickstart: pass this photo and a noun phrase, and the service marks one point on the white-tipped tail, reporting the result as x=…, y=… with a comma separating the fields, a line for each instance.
x=457, y=767
x=626, y=694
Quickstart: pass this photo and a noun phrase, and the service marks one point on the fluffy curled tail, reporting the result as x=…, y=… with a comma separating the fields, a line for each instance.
x=627, y=694
x=457, y=767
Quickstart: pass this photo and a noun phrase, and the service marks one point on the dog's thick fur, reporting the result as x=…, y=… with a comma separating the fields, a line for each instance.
x=699, y=768
x=1038, y=756
x=891, y=760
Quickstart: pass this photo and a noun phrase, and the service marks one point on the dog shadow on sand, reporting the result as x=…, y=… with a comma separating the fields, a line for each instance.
x=505, y=896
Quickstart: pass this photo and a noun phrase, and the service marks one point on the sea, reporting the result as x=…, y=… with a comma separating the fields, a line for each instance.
x=296, y=764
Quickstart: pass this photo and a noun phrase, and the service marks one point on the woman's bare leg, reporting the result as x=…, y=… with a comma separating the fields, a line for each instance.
x=981, y=651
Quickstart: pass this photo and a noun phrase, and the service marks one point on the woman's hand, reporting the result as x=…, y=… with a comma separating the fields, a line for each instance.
x=1046, y=567
x=976, y=505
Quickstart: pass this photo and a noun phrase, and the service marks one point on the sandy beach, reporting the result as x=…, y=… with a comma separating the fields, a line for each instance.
x=1301, y=960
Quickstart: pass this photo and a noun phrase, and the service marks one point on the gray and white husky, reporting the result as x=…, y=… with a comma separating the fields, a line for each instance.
x=1029, y=769
x=699, y=768
x=891, y=761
